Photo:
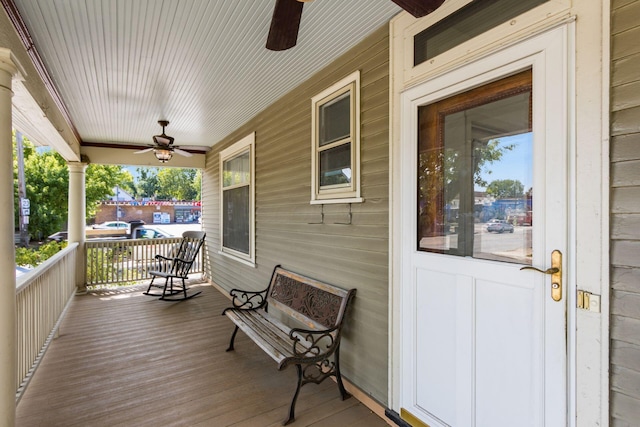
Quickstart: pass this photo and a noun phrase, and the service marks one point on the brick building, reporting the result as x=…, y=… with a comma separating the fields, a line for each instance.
x=150, y=212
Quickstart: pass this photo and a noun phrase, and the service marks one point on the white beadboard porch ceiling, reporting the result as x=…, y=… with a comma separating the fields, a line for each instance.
x=121, y=65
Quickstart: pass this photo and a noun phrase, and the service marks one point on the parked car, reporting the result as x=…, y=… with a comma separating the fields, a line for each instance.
x=111, y=225
x=145, y=232
x=500, y=226
x=60, y=236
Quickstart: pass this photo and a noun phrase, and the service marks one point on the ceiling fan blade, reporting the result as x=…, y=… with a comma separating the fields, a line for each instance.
x=182, y=152
x=146, y=150
x=285, y=22
x=419, y=8
x=200, y=148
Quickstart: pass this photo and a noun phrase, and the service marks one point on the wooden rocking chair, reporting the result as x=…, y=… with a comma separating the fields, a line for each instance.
x=177, y=267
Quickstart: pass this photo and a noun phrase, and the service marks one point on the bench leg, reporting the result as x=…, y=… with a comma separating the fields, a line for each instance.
x=233, y=338
x=343, y=392
x=292, y=408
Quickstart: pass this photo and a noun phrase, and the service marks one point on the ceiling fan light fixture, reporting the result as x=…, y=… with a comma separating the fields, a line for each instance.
x=163, y=154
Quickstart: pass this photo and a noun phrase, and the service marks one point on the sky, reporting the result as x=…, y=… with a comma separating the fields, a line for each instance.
x=515, y=164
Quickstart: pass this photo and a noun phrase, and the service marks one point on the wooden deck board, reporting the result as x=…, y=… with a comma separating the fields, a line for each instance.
x=127, y=359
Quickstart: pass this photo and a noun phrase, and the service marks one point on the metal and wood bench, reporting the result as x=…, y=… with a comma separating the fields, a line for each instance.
x=313, y=346
x=177, y=267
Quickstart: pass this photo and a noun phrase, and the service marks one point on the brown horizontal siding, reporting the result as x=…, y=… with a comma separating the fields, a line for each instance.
x=624, y=71
x=625, y=213
x=618, y=4
x=625, y=173
x=625, y=43
x=625, y=147
x=625, y=226
x=287, y=229
x=625, y=380
x=625, y=121
x=626, y=279
x=626, y=96
x=625, y=17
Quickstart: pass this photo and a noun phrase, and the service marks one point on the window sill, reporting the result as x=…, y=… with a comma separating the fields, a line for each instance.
x=240, y=260
x=336, y=201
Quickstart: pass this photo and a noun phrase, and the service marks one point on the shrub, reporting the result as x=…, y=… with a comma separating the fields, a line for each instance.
x=32, y=257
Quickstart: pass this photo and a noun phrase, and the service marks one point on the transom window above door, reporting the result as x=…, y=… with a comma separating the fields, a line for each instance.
x=471, y=20
x=335, y=143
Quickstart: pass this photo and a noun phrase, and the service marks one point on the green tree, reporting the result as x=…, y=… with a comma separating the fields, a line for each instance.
x=100, y=180
x=175, y=183
x=47, y=184
x=197, y=185
x=147, y=185
x=506, y=189
x=128, y=184
x=443, y=170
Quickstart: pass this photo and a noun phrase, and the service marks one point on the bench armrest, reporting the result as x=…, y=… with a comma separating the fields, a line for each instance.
x=309, y=343
x=248, y=300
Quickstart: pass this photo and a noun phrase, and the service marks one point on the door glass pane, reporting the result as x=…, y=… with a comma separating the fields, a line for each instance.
x=475, y=181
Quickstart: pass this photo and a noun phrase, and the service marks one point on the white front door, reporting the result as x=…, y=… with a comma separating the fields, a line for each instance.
x=484, y=193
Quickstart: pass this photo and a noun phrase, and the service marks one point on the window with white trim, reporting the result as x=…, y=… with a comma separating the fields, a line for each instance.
x=335, y=143
x=237, y=227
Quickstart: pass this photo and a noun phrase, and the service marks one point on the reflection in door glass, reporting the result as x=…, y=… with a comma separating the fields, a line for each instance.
x=475, y=181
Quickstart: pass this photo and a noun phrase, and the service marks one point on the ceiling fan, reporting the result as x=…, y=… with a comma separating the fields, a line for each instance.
x=163, y=147
x=283, y=33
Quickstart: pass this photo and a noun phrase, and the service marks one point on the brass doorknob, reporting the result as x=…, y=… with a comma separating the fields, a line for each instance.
x=556, y=274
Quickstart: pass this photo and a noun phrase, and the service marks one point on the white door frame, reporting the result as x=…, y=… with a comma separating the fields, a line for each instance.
x=547, y=54
x=588, y=332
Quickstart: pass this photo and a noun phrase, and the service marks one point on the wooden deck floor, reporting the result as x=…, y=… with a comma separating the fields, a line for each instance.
x=126, y=359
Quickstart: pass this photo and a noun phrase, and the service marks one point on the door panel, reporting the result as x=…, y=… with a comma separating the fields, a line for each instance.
x=483, y=342
x=436, y=320
x=506, y=378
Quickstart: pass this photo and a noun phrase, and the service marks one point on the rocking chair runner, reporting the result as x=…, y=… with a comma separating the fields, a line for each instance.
x=177, y=267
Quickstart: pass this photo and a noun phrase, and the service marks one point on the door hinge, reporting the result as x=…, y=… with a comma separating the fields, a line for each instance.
x=588, y=301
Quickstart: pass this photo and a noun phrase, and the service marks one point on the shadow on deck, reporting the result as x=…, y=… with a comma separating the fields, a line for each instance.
x=126, y=359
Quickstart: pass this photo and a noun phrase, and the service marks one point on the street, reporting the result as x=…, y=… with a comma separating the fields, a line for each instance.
x=511, y=247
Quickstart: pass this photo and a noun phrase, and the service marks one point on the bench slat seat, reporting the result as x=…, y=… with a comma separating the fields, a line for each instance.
x=313, y=348
x=267, y=332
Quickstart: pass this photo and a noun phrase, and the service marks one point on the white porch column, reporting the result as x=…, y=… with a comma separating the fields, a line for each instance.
x=77, y=219
x=8, y=68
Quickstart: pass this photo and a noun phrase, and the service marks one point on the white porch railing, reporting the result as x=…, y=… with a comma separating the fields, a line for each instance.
x=41, y=299
x=128, y=260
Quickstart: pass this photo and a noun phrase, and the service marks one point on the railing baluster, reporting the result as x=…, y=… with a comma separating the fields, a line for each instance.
x=122, y=261
x=41, y=297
